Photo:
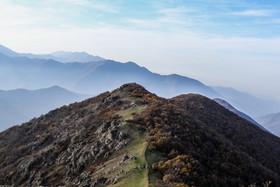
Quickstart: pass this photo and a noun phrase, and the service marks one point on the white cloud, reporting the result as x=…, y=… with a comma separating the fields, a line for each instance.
x=94, y=4
x=165, y=20
x=14, y=14
x=48, y=13
x=254, y=13
x=178, y=10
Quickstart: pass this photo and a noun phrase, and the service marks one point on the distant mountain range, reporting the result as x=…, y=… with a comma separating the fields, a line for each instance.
x=60, y=56
x=248, y=103
x=91, y=77
x=234, y=110
x=30, y=71
x=271, y=122
x=18, y=106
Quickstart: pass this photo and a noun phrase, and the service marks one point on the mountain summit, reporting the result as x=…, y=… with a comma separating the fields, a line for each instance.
x=131, y=137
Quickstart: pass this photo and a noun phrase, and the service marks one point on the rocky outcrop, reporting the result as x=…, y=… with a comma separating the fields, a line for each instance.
x=65, y=145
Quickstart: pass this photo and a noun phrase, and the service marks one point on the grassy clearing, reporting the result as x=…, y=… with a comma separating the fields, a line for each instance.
x=128, y=113
x=137, y=169
x=137, y=175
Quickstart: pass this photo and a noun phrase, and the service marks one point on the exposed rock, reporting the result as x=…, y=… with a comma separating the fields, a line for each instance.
x=125, y=157
x=132, y=157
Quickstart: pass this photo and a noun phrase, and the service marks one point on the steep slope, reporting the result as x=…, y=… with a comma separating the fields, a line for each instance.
x=130, y=137
x=247, y=103
x=104, y=75
x=234, y=110
x=271, y=122
x=20, y=105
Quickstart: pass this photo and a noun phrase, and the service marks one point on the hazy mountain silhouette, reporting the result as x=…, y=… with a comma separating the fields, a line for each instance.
x=93, y=77
x=8, y=52
x=271, y=122
x=248, y=103
x=61, y=56
x=66, y=57
x=234, y=110
x=10, y=115
x=20, y=105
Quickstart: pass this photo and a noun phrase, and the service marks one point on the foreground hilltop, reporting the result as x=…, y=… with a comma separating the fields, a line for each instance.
x=130, y=137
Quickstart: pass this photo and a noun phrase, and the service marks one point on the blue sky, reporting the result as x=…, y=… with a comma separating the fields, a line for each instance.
x=228, y=43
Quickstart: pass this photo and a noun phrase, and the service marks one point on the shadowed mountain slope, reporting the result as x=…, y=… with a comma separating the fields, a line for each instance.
x=130, y=137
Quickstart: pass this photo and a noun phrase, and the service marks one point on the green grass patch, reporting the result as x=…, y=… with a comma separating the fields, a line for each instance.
x=138, y=172
x=137, y=175
x=128, y=113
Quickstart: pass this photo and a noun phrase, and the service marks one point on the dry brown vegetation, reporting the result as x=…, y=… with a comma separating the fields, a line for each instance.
x=199, y=142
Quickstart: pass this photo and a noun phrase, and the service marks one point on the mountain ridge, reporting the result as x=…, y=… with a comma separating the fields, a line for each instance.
x=131, y=136
x=108, y=74
x=61, y=56
x=79, y=77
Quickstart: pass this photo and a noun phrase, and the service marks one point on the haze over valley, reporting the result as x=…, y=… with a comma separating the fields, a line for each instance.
x=93, y=77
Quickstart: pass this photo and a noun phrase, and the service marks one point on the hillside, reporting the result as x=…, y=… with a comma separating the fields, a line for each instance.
x=234, y=110
x=130, y=137
x=271, y=122
x=20, y=105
